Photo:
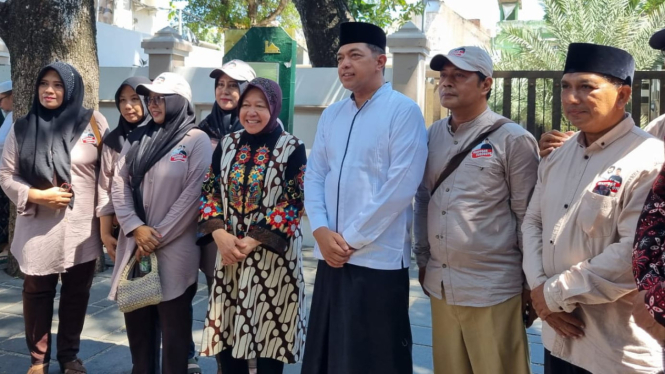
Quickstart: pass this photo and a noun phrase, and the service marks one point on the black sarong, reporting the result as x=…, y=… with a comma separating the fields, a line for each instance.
x=359, y=322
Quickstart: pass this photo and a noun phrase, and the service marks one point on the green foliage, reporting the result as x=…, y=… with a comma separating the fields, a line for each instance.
x=626, y=24
x=384, y=13
x=649, y=5
x=208, y=18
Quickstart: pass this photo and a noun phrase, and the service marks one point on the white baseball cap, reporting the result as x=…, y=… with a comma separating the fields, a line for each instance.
x=5, y=86
x=235, y=69
x=167, y=84
x=466, y=58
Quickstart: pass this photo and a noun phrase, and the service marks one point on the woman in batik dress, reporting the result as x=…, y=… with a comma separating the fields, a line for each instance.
x=251, y=206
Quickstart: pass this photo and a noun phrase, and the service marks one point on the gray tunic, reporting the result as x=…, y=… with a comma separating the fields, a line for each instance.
x=171, y=192
x=48, y=241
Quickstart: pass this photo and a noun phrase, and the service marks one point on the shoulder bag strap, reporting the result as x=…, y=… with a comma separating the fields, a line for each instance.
x=95, y=129
x=457, y=159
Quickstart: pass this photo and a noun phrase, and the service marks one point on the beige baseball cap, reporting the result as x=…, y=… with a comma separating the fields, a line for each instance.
x=236, y=69
x=167, y=84
x=466, y=58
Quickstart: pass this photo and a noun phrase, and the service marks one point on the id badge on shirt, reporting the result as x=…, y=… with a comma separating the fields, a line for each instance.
x=609, y=182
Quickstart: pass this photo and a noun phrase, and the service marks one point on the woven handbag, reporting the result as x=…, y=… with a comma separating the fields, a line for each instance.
x=139, y=292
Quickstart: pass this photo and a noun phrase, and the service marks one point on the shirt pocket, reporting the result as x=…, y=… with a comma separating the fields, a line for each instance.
x=596, y=214
x=479, y=176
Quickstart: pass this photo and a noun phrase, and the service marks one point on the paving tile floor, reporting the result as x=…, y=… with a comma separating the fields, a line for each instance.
x=104, y=347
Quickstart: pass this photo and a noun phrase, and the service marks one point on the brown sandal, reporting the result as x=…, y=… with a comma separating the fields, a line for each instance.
x=73, y=367
x=38, y=369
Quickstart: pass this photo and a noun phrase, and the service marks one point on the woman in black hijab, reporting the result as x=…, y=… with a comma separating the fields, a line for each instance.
x=49, y=170
x=133, y=113
x=156, y=192
x=230, y=82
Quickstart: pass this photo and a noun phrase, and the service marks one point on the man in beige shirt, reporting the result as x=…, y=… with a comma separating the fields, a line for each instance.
x=578, y=231
x=553, y=139
x=467, y=238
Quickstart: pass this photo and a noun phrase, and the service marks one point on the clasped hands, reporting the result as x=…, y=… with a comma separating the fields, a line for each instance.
x=565, y=324
x=231, y=248
x=334, y=249
x=147, y=240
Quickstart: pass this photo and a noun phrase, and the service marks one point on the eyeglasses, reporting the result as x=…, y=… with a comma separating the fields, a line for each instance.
x=156, y=100
x=66, y=187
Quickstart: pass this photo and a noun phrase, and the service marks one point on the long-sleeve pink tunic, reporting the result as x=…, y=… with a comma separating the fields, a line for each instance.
x=48, y=241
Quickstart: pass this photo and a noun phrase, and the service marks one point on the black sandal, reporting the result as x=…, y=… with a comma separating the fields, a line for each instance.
x=73, y=367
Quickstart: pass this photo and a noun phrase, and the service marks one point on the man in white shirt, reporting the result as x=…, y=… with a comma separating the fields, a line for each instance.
x=364, y=168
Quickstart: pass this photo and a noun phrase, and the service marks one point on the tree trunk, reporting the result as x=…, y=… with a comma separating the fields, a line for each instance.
x=320, y=23
x=275, y=13
x=252, y=11
x=38, y=32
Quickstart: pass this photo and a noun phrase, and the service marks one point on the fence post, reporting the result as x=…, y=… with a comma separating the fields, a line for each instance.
x=166, y=51
x=409, y=47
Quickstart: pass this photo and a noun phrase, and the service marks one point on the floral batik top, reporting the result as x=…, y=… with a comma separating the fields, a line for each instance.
x=249, y=193
x=648, y=250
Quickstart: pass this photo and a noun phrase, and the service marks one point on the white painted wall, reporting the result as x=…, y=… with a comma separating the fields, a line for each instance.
x=204, y=57
x=119, y=47
x=123, y=15
x=151, y=20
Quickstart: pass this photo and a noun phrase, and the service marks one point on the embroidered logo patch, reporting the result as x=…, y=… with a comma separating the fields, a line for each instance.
x=610, y=183
x=459, y=52
x=484, y=149
x=179, y=154
x=88, y=137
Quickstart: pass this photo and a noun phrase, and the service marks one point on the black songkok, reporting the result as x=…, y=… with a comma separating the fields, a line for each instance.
x=657, y=40
x=361, y=32
x=600, y=59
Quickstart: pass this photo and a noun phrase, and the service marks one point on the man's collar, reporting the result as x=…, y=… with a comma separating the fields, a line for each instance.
x=468, y=124
x=619, y=130
x=384, y=87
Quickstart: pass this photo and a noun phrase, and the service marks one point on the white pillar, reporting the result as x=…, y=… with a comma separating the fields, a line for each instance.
x=409, y=47
x=4, y=54
x=166, y=50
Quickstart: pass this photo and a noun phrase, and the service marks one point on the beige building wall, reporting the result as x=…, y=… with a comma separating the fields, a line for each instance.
x=445, y=29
